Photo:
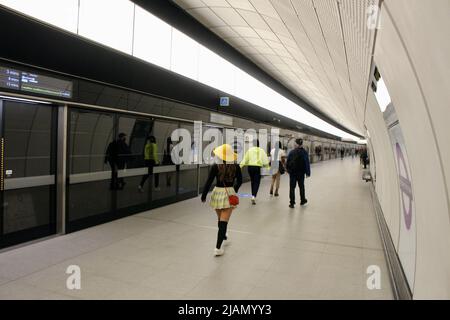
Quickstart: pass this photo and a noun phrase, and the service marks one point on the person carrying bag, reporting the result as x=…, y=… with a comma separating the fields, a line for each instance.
x=224, y=200
x=280, y=156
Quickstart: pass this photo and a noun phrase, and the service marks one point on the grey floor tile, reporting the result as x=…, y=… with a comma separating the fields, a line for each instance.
x=175, y=282
x=142, y=293
x=212, y=289
x=19, y=291
x=278, y=293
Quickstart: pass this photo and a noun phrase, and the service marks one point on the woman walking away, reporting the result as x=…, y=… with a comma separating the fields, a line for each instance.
x=167, y=160
x=254, y=159
x=151, y=160
x=280, y=157
x=228, y=177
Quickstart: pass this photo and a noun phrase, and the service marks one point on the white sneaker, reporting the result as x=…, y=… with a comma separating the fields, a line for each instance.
x=226, y=242
x=253, y=200
x=140, y=189
x=218, y=252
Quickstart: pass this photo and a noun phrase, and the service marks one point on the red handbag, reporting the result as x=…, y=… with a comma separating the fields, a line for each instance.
x=233, y=199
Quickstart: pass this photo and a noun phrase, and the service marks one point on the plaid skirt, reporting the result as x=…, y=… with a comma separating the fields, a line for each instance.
x=219, y=198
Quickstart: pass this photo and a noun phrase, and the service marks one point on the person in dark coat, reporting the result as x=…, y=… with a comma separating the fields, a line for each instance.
x=298, y=166
x=117, y=155
x=364, y=158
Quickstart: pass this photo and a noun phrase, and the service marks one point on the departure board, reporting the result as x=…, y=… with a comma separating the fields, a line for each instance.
x=34, y=83
x=9, y=78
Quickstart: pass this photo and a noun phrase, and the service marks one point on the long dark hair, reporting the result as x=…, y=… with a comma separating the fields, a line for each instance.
x=227, y=172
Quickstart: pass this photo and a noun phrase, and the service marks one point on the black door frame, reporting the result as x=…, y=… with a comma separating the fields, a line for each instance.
x=2, y=173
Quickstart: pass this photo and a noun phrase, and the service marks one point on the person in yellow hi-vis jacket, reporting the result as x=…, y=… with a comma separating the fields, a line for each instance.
x=255, y=158
x=151, y=160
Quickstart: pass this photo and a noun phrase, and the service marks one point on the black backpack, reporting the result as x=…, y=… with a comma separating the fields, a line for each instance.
x=296, y=163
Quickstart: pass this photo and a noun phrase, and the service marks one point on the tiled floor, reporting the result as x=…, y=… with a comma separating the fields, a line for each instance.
x=320, y=251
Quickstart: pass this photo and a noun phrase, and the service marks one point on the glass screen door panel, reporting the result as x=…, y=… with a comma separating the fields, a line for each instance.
x=29, y=165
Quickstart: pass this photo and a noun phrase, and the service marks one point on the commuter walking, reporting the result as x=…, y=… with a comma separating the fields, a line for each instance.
x=364, y=158
x=224, y=200
x=277, y=156
x=298, y=166
x=255, y=158
x=117, y=155
x=151, y=160
x=167, y=160
x=342, y=153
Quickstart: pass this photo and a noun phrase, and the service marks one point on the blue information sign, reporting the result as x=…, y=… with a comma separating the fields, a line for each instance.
x=224, y=101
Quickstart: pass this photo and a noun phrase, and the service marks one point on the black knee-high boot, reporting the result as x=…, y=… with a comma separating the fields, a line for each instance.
x=218, y=225
x=221, y=233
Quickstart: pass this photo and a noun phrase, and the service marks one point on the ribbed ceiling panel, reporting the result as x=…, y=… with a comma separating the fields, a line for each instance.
x=319, y=49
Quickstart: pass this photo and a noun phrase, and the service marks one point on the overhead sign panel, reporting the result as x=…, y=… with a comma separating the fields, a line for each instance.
x=35, y=83
x=222, y=119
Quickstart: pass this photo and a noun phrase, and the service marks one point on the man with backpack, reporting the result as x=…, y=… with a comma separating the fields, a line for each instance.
x=297, y=165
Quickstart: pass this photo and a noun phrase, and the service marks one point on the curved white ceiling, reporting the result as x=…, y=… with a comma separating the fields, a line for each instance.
x=319, y=49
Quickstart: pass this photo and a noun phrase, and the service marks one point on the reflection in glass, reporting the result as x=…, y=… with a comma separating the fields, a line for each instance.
x=162, y=131
x=90, y=135
x=28, y=140
x=118, y=155
x=138, y=130
x=151, y=161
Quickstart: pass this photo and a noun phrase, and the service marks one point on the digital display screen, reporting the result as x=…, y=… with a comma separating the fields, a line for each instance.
x=34, y=83
x=9, y=78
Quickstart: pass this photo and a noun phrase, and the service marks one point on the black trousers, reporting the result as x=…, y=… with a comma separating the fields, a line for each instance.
x=150, y=165
x=255, y=178
x=364, y=160
x=295, y=179
x=116, y=182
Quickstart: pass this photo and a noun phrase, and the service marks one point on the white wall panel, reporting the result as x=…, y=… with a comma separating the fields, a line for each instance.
x=432, y=278
x=109, y=22
x=216, y=71
x=185, y=55
x=427, y=39
x=60, y=13
x=152, y=39
x=387, y=185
